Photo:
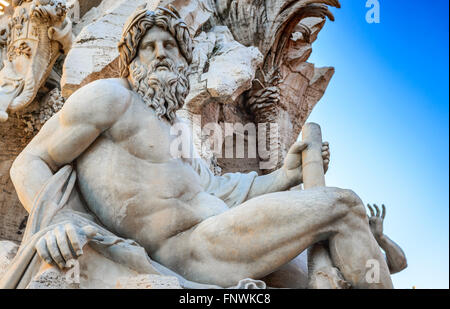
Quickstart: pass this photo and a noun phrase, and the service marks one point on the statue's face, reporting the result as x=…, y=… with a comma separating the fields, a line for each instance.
x=159, y=73
x=157, y=45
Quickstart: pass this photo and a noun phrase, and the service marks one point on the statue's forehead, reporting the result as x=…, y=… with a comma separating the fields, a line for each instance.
x=157, y=34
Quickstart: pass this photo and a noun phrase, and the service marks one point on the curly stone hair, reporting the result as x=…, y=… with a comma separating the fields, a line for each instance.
x=140, y=22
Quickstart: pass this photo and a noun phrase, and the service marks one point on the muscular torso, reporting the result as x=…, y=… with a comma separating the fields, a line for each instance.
x=134, y=185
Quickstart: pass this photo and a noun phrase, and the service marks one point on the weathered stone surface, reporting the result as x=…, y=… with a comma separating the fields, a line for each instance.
x=292, y=275
x=12, y=215
x=303, y=84
x=148, y=282
x=94, y=52
x=8, y=250
x=51, y=278
x=194, y=12
x=222, y=68
x=232, y=68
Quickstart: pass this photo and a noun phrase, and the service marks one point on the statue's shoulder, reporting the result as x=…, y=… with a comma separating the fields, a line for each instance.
x=116, y=89
x=102, y=101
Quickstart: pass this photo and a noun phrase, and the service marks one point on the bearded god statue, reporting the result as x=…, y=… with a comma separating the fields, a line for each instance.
x=101, y=182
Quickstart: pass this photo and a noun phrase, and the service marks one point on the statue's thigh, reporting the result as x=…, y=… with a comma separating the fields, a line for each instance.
x=255, y=238
x=268, y=219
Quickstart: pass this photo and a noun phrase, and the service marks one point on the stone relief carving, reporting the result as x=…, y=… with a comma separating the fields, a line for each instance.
x=34, y=119
x=38, y=33
x=4, y=33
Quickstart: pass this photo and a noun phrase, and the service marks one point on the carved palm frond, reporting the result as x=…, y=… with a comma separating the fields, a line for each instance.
x=268, y=24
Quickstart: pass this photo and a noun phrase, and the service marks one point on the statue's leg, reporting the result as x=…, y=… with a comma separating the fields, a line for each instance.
x=259, y=236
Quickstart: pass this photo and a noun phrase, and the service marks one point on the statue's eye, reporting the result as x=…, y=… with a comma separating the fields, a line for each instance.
x=149, y=47
x=169, y=45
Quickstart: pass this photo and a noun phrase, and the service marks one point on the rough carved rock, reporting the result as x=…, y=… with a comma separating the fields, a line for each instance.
x=99, y=272
x=148, y=282
x=12, y=214
x=223, y=68
x=44, y=109
x=291, y=275
x=8, y=250
x=94, y=53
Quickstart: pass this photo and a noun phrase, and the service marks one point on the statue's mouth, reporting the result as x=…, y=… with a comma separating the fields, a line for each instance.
x=162, y=67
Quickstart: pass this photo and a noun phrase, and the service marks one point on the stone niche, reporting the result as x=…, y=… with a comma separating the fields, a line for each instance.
x=242, y=73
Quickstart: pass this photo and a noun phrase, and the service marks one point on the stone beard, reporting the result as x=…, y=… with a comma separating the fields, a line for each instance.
x=163, y=85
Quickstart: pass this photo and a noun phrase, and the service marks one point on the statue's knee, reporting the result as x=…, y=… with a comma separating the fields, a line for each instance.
x=353, y=202
x=350, y=200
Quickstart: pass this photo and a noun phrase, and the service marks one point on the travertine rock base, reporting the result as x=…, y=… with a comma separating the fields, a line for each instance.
x=8, y=250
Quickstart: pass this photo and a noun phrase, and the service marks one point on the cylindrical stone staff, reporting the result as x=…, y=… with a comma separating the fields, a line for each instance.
x=314, y=176
x=312, y=161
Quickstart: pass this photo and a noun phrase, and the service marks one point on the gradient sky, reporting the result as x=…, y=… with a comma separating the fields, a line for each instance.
x=386, y=116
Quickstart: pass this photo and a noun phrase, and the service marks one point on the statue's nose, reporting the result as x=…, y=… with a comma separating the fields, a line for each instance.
x=43, y=2
x=160, y=51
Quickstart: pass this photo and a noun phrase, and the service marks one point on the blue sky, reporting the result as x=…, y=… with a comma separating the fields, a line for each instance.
x=386, y=116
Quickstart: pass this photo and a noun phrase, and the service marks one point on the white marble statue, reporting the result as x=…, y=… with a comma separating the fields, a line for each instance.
x=126, y=184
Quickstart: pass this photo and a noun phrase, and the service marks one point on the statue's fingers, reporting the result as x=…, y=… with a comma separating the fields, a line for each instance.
x=52, y=247
x=74, y=239
x=41, y=248
x=383, y=215
x=326, y=144
x=89, y=231
x=326, y=165
x=298, y=147
x=62, y=241
x=325, y=154
x=371, y=210
x=377, y=209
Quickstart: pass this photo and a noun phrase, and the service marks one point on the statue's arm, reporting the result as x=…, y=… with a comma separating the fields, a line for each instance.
x=85, y=115
x=290, y=175
x=277, y=181
x=395, y=257
x=236, y=188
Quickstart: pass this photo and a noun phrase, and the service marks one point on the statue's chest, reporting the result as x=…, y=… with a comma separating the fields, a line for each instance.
x=144, y=135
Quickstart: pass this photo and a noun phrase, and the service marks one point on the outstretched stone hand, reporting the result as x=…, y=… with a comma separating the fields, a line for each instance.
x=395, y=257
x=376, y=220
x=64, y=243
x=293, y=161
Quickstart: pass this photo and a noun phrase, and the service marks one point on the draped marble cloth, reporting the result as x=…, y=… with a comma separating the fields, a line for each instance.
x=60, y=202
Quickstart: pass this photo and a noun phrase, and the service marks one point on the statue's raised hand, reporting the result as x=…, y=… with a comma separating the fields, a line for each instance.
x=293, y=161
x=376, y=219
x=64, y=243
